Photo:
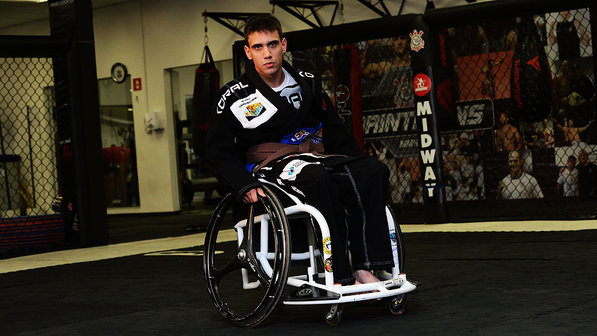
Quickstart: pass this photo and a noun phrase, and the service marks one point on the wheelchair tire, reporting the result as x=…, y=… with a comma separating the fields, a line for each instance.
x=333, y=316
x=218, y=266
x=398, y=305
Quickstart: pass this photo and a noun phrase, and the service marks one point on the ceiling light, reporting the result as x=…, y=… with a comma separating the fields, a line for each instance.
x=36, y=1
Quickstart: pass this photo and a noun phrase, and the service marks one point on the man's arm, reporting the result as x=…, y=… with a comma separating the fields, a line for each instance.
x=560, y=182
x=517, y=137
x=584, y=128
x=536, y=192
x=500, y=190
x=582, y=32
x=223, y=153
x=499, y=141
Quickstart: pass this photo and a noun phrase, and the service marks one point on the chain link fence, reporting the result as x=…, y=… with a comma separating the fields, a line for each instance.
x=380, y=96
x=28, y=168
x=517, y=106
x=537, y=75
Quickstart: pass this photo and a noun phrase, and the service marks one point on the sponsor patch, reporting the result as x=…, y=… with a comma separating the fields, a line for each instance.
x=293, y=168
x=253, y=110
x=301, y=135
x=421, y=85
x=416, y=40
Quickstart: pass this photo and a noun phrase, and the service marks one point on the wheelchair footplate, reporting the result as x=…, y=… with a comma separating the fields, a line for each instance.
x=311, y=293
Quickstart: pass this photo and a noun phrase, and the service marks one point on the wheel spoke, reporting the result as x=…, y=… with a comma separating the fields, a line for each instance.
x=232, y=265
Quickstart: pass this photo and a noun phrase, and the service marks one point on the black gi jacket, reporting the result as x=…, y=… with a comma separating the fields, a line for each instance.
x=248, y=112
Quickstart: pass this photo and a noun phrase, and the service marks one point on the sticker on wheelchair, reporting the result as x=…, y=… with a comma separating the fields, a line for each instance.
x=328, y=265
x=327, y=245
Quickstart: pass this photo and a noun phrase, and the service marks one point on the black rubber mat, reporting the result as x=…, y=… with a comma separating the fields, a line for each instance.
x=471, y=284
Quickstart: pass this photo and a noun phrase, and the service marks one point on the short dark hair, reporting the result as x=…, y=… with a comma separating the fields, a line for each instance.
x=262, y=22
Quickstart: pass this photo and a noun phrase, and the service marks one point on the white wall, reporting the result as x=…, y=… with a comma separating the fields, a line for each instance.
x=150, y=36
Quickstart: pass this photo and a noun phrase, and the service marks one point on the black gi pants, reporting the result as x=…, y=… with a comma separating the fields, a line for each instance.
x=351, y=195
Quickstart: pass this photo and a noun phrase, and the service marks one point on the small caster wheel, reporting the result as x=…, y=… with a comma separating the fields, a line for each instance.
x=334, y=316
x=398, y=305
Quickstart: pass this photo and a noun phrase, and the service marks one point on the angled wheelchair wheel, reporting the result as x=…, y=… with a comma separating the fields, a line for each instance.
x=247, y=300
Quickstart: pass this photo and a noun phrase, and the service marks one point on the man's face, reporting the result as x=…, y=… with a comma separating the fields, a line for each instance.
x=582, y=158
x=514, y=161
x=265, y=49
x=571, y=163
x=503, y=118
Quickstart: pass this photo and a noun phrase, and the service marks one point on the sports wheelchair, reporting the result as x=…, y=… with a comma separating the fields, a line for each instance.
x=259, y=245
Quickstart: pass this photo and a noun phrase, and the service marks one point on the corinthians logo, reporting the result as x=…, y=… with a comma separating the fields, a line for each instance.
x=416, y=41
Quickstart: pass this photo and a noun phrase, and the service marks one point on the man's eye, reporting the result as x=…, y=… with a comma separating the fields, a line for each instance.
x=273, y=43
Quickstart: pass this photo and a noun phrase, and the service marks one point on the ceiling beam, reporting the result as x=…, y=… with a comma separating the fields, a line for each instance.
x=299, y=8
x=374, y=7
x=233, y=21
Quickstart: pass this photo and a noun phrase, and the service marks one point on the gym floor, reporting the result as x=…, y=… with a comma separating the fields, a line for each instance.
x=503, y=278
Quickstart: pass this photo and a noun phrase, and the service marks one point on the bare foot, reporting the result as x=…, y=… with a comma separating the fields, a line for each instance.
x=364, y=276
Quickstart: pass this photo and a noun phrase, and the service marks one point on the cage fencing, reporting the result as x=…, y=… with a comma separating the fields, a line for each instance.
x=535, y=74
x=28, y=175
x=516, y=108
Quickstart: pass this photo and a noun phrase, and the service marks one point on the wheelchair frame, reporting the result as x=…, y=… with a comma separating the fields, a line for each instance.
x=271, y=267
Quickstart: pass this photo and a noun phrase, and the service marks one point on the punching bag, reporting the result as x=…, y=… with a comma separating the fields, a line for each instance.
x=530, y=77
x=207, y=84
x=446, y=89
x=347, y=89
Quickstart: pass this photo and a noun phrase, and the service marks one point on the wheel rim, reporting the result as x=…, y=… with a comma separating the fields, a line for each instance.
x=222, y=270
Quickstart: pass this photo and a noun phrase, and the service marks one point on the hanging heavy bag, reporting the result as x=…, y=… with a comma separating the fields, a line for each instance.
x=207, y=84
x=530, y=77
x=347, y=89
x=446, y=89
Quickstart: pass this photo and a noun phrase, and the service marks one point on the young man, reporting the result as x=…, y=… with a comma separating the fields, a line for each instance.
x=587, y=176
x=278, y=110
x=567, y=183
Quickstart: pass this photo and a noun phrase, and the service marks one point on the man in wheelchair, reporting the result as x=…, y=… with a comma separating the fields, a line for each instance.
x=274, y=123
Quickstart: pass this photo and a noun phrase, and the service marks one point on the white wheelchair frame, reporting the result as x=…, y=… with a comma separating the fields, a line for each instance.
x=329, y=293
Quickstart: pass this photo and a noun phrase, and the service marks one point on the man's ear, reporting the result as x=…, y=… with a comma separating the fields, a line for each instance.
x=283, y=44
x=247, y=52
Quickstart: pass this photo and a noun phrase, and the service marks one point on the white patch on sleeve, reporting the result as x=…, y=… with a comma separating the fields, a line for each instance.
x=253, y=110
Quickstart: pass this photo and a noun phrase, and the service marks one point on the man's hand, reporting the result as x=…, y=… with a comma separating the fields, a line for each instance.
x=251, y=195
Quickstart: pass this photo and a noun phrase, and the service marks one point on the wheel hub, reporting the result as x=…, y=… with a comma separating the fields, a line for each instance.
x=241, y=255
